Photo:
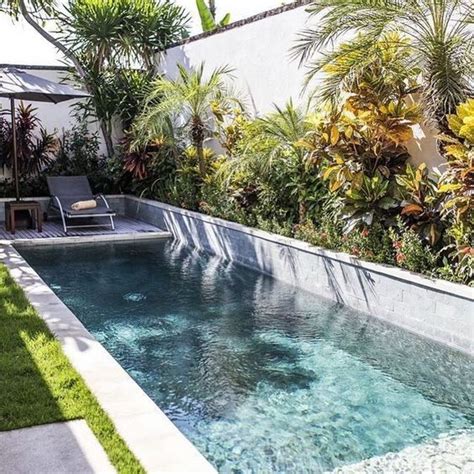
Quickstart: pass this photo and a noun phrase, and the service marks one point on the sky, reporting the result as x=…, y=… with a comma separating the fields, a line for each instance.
x=22, y=45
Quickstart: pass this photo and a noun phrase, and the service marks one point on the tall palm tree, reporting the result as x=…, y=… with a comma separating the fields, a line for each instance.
x=187, y=105
x=440, y=36
x=122, y=32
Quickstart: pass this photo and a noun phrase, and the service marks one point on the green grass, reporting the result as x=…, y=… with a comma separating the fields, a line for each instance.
x=37, y=382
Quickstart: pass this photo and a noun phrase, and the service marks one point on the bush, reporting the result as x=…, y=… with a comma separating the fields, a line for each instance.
x=410, y=251
x=79, y=155
x=327, y=234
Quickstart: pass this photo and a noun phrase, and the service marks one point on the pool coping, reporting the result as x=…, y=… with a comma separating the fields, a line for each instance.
x=88, y=239
x=139, y=421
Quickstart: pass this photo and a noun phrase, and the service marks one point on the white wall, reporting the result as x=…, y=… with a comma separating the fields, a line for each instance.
x=258, y=51
x=264, y=71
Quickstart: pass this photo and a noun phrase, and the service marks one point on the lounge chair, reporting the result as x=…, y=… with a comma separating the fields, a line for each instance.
x=66, y=190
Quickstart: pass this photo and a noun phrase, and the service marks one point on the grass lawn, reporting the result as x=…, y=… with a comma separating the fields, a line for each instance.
x=38, y=384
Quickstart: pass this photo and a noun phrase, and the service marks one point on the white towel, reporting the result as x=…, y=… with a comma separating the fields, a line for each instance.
x=82, y=205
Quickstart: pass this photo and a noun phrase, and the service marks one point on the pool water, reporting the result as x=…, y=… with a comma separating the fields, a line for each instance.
x=259, y=375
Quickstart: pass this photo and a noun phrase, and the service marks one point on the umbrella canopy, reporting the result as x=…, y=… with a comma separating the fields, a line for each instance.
x=17, y=84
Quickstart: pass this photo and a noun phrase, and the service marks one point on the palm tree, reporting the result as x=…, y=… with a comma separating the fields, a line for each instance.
x=280, y=135
x=439, y=33
x=122, y=32
x=109, y=37
x=187, y=105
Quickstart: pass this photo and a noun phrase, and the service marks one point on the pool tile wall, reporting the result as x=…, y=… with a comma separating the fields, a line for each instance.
x=435, y=309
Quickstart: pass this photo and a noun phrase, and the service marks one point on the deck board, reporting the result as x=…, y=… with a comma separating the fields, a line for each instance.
x=52, y=229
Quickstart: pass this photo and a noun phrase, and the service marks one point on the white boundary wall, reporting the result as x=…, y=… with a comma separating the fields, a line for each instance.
x=259, y=51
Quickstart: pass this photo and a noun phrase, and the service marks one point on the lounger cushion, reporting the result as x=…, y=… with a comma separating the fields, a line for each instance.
x=97, y=211
x=66, y=203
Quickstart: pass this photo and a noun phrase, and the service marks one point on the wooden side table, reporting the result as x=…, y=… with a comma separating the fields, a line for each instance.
x=33, y=207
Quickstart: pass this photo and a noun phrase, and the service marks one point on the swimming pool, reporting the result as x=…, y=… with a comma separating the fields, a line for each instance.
x=259, y=375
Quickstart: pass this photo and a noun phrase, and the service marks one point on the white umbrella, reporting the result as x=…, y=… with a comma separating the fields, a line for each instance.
x=17, y=84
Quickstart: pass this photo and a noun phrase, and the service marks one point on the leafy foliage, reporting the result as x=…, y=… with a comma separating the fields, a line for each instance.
x=457, y=182
x=35, y=146
x=437, y=33
x=119, y=33
x=184, y=110
x=78, y=154
x=110, y=39
x=367, y=202
x=208, y=16
x=421, y=202
x=458, y=255
x=410, y=251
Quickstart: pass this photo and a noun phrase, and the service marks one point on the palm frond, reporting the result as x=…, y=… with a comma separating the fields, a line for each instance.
x=439, y=31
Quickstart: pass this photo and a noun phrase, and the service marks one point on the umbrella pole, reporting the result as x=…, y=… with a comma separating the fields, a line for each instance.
x=15, y=156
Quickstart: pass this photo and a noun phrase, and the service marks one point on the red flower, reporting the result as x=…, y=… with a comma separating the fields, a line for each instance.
x=400, y=257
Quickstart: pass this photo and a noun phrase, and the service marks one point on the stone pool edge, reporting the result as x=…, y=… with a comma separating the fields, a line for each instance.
x=148, y=432
x=435, y=309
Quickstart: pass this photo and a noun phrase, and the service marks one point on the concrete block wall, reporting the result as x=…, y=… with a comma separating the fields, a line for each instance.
x=436, y=309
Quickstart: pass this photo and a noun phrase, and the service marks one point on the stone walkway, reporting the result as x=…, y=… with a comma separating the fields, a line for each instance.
x=56, y=448
x=447, y=454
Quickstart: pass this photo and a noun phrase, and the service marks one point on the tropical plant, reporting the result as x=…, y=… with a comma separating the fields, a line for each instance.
x=410, y=251
x=36, y=147
x=207, y=14
x=371, y=200
x=274, y=149
x=366, y=141
x=104, y=33
x=109, y=38
x=184, y=108
x=79, y=154
x=421, y=202
x=457, y=182
x=437, y=32
x=458, y=255
x=97, y=35
x=382, y=73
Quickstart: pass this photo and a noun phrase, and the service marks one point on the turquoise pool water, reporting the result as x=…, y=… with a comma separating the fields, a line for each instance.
x=262, y=377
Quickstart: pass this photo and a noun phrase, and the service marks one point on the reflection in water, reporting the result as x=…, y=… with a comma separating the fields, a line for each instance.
x=260, y=375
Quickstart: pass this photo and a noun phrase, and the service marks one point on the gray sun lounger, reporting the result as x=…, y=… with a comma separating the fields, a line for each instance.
x=66, y=190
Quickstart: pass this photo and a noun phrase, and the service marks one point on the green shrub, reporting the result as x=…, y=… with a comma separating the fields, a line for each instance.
x=372, y=244
x=411, y=252
x=79, y=154
x=327, y=234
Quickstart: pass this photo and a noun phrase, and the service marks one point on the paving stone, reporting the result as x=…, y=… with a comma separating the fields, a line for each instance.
x=68, y=447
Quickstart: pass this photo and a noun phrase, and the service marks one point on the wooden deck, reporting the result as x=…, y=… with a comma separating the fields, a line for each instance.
x=125, y=229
